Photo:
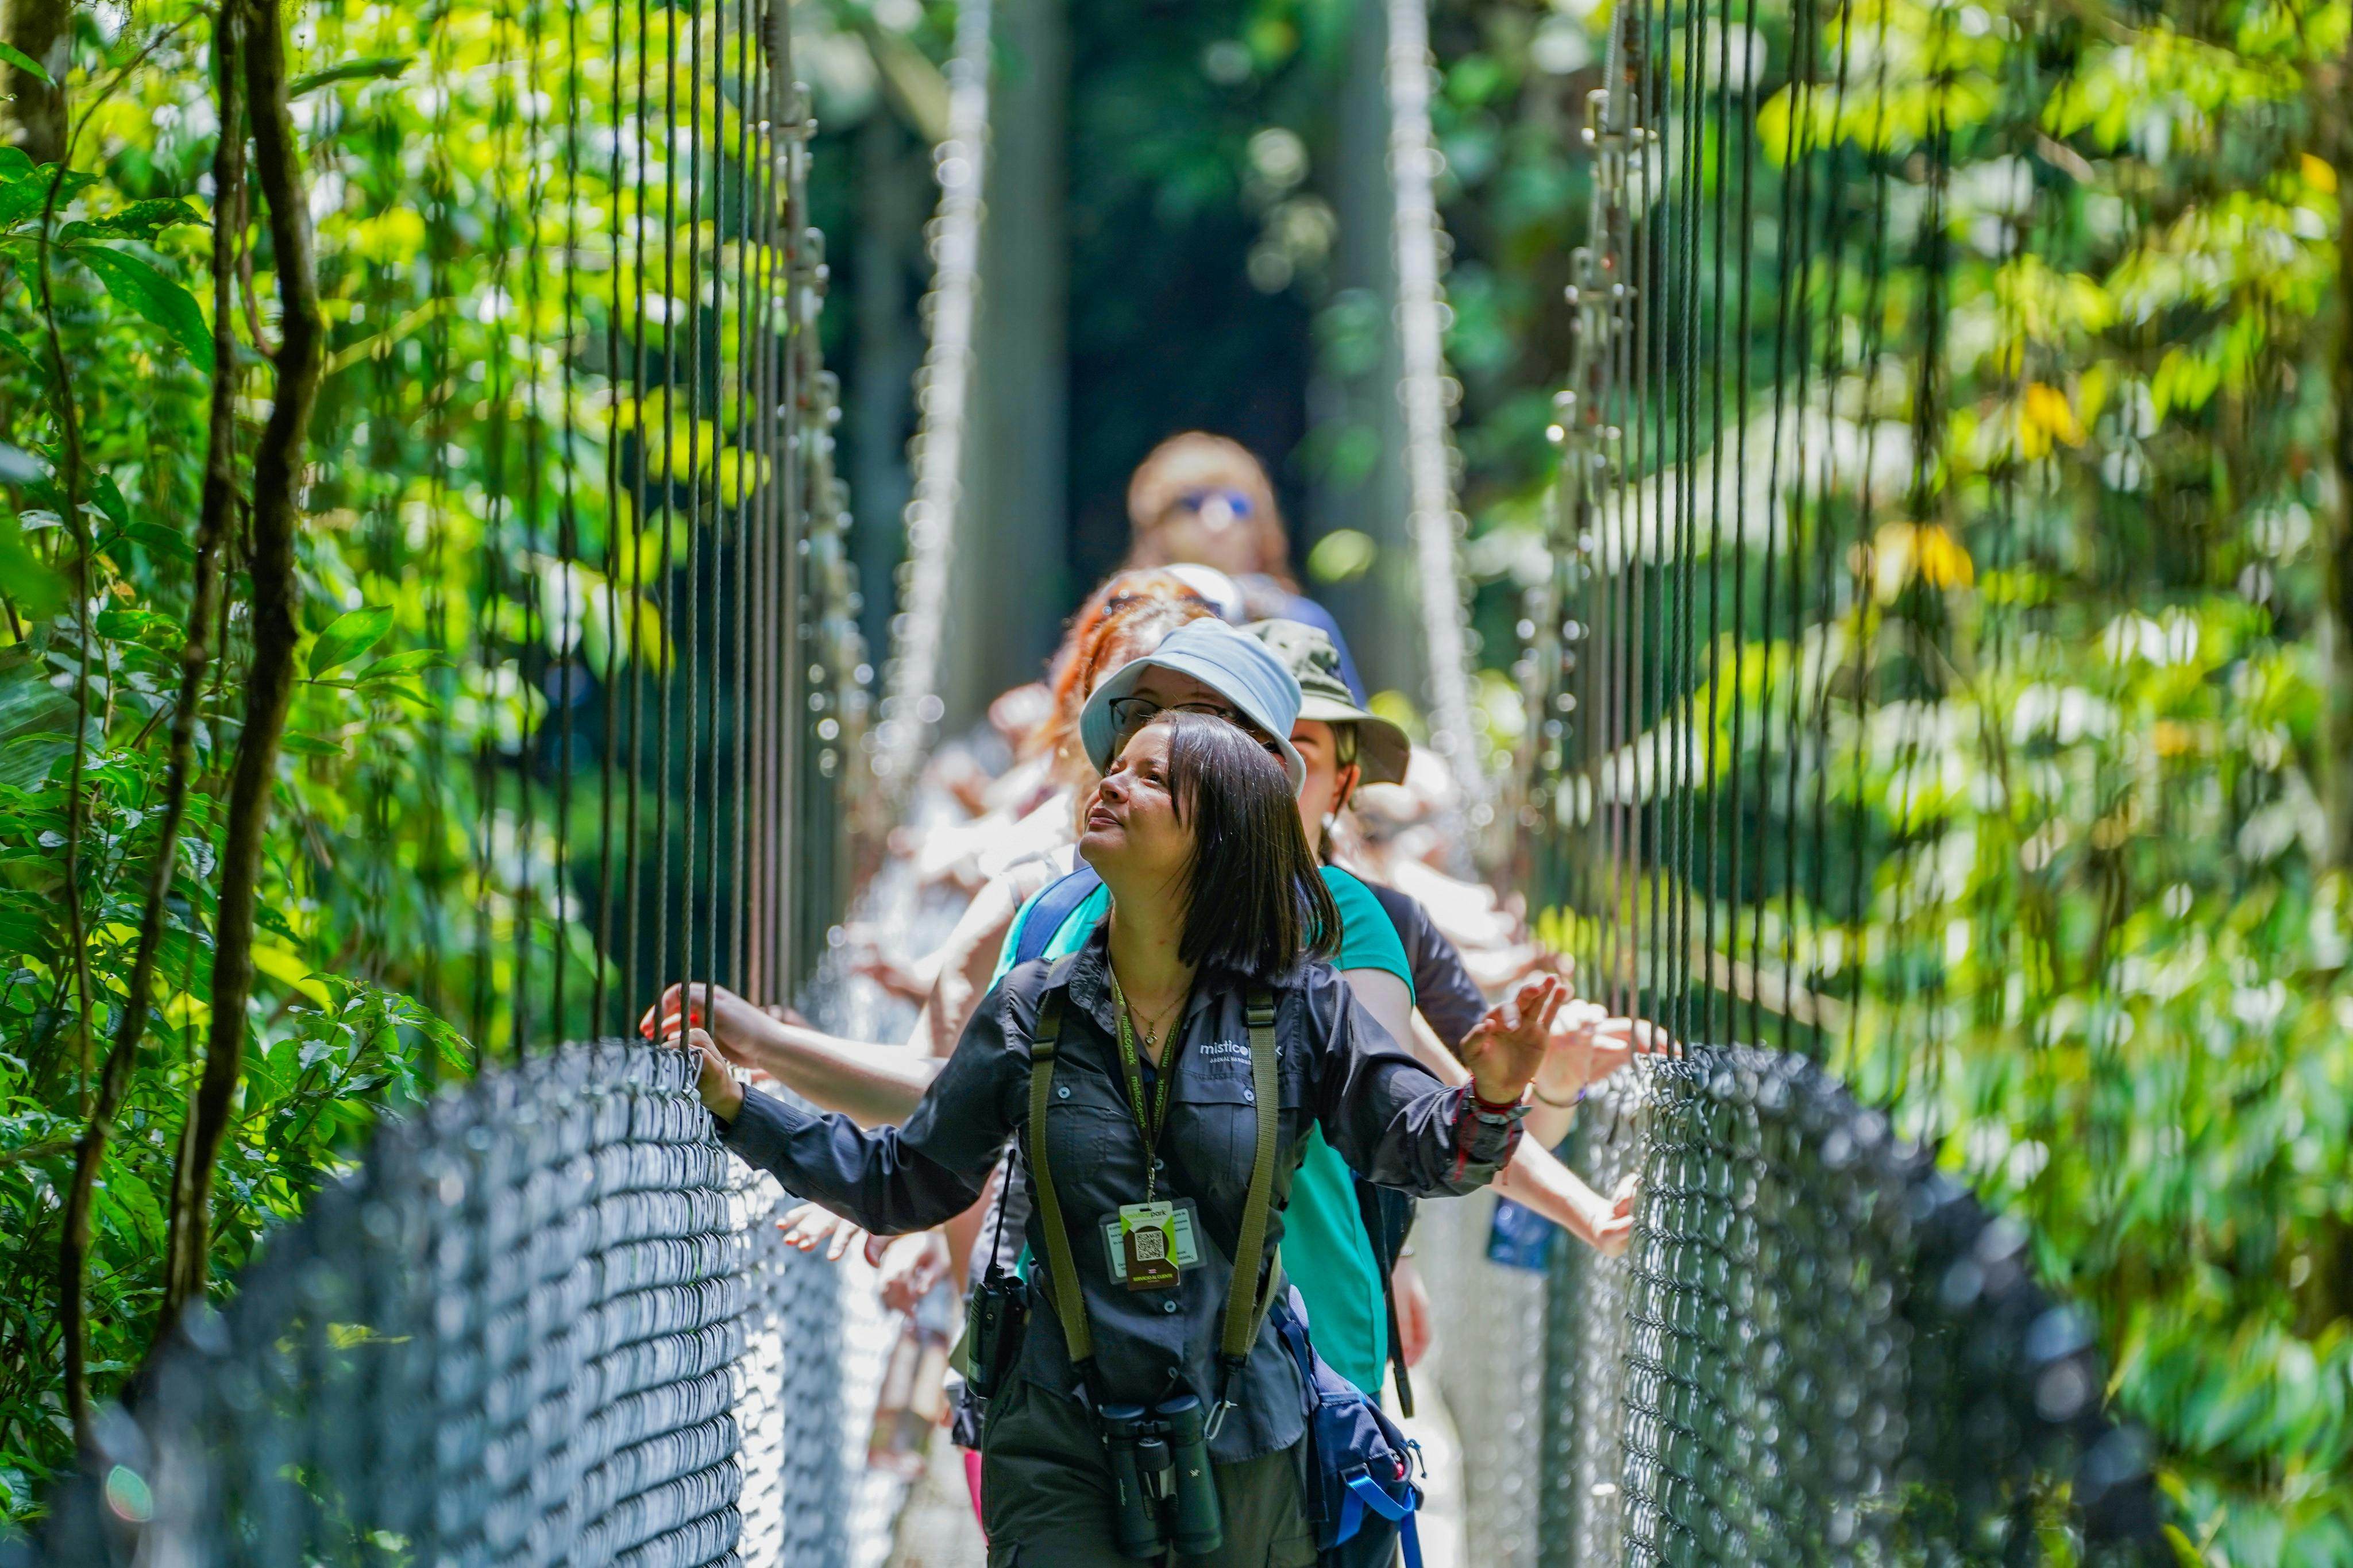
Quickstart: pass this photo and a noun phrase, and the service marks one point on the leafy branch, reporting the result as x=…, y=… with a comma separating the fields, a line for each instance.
x=277, y=462
x=212, y=530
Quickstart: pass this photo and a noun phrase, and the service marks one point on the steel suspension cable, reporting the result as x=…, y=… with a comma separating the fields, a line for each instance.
x=1429, y=395
x=911, y=702
x=612, y=879
x=1705, y=1026
x=1806, y=960
x=739, y=424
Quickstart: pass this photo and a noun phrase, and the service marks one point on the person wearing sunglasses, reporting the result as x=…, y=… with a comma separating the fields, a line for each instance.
x=1198, y=500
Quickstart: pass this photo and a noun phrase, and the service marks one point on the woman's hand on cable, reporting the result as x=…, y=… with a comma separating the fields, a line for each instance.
x=722, y=1095
x=1613, y=1228
x=1504, y=1048
x=734, y=1023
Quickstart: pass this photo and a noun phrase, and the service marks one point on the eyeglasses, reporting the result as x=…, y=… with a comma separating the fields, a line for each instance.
x=1129, y=714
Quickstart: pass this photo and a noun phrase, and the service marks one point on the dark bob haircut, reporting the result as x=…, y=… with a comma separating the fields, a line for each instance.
x=1255, y=903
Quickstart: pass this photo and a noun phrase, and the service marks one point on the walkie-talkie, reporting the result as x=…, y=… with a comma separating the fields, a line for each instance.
x=998, y=1311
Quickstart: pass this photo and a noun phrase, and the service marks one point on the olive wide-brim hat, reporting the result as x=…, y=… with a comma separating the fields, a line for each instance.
x=1240, y=668
x=1382, y=748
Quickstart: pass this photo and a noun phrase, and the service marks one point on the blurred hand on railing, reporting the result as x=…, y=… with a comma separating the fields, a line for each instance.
x=1588, y=1045
x=1612, y=1234
x=812, y=1226
x=722, y=1095
x=910, y=1264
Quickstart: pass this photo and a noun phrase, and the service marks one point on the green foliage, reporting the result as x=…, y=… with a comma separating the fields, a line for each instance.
x=491, y=527
x=2053, y=649
x=363, y=889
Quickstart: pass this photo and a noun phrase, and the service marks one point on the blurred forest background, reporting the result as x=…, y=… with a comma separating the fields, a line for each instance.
x=2087, y=669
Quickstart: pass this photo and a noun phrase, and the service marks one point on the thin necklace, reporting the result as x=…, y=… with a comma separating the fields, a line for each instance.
x=1146, y=1023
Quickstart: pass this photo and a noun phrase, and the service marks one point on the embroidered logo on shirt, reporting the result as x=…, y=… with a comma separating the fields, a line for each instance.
x=1225, y=1050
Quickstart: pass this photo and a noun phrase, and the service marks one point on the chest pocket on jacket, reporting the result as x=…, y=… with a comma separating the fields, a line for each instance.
x=1215, y=1133
x=1092, y=1138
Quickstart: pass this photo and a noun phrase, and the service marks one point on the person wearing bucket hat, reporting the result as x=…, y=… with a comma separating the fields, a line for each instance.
x=1377, y=748
x=1206, y=666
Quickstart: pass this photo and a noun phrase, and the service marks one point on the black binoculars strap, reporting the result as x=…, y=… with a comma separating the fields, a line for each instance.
x=1069, y=1305
x=1246, y=1305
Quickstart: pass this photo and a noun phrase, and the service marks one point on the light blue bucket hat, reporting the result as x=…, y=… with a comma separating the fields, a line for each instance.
x=1235, y=667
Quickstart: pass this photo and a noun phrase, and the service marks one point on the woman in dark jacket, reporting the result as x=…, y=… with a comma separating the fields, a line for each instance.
x=1152, y=1107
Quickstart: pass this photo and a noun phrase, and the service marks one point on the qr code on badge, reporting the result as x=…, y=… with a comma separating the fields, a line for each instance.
x=1150, y=1245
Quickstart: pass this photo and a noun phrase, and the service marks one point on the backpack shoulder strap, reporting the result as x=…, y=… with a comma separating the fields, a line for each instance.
x=1246, y=1305
x=1050, y=908
x=1062, y=1268
x=1387, y=1215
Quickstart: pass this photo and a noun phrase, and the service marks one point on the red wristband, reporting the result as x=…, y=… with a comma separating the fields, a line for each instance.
x=1496, y=1106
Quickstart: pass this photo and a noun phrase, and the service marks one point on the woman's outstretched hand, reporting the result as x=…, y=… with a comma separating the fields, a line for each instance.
x=1505, y=1049
x=722, y=1095
x=733, y=1023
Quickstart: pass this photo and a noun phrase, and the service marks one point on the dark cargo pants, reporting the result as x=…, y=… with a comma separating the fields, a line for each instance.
x=1045, y=1494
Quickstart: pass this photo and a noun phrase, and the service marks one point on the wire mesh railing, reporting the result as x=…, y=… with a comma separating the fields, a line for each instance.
x=547, y=1321
x=1819, y=1348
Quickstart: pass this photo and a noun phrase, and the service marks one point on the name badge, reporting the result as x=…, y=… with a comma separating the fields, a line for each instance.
x=1151, y=1244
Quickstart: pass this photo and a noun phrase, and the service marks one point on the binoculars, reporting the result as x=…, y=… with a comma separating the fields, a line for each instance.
x=1160, y=1462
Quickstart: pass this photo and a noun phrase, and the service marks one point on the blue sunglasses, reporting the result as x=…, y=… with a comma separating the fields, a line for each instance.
x=1236, y=502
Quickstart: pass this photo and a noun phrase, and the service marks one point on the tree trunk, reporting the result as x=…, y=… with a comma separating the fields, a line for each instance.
x=277, y=473
x=32, y=112
x=195, y=656
x=2333, y=124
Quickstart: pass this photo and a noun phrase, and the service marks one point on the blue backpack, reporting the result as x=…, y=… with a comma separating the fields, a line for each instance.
x=1361, y=1490
x=1054, y=906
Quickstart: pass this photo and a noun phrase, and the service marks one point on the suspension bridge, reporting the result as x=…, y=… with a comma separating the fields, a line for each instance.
x=546, y=1321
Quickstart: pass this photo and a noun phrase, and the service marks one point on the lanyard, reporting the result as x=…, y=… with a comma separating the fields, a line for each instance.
x=1149, y=1120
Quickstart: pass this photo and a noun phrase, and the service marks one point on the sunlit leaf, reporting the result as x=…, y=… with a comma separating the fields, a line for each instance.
x=22, y=198
x=139, y=220
x=152, y=296
x=161, y=539
x=131, y=1195
x=136, y=626
x=27, y=64
x=109, y=496
x=415, y=661
x=347, y=636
